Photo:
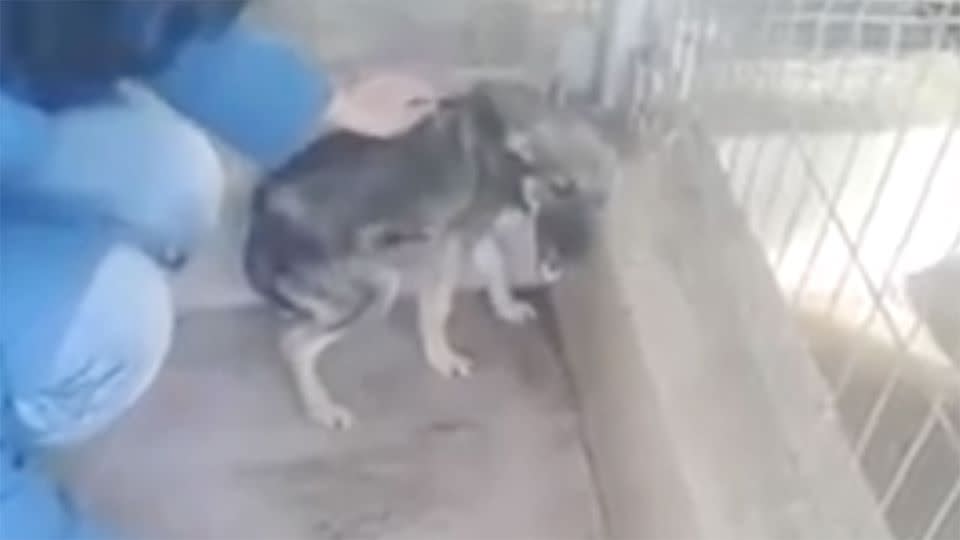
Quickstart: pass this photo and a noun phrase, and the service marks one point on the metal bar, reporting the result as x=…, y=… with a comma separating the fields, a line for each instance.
x=705, y=45
x=794, y=220
x=822, y=23
x=624, y=19
x=745, y=194
x=832, y=214
x=877, y=195
x=907, y=461
x=908, y=340
x=750, y=178
x=948, y=428
x=915, y=216
x=868, y=218
x=795, y=215
x=780, y=174
x=940, y=517
x=845, y=173
x=677, y=42
x=858, y=19
x=937, y=162
x=896, y=39
x=695, y=34
x=756, y=221
x=735, y=147
x=846, y=375
x=844, y=179
x=672, y=35
x=873, y=418
x=775, y=190
x=811, y=15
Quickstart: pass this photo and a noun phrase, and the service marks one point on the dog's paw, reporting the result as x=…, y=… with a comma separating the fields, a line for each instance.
x=452, y=365
x=517, y=312
x=331, y=416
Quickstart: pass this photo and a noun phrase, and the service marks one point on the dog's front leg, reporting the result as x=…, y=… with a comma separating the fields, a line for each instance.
x=435, y=303
x=302, y=345
x=488, y=258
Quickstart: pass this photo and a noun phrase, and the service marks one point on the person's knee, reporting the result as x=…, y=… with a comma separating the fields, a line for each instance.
x=80, y=355
x=134, y=162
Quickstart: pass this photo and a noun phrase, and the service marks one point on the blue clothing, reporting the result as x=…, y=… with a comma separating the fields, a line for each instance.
x=97, y=203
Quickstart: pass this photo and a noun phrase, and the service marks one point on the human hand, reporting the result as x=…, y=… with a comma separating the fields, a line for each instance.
x=383, y=105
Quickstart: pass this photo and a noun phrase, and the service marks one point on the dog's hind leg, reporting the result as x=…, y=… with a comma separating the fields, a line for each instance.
x=333, y=308
x=368, y=291
x=302, y=345
x=435, y=303
x=488, y=258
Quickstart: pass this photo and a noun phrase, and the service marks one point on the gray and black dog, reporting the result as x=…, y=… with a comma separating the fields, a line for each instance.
x=335, y=229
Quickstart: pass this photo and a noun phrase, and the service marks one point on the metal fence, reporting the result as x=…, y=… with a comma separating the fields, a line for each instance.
x=522, y=36
x=837, y=125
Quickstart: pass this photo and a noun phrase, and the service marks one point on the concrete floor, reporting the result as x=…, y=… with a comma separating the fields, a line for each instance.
x=218, y=448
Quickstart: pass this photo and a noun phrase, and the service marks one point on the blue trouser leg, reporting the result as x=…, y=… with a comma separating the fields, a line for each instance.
x=86, y=322
x=32, y=507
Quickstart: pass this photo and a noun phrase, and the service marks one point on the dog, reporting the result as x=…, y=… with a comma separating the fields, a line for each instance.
x=333, y=231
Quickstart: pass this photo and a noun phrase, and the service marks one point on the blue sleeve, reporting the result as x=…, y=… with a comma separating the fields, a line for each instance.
x=250, y=89
x=25, y=135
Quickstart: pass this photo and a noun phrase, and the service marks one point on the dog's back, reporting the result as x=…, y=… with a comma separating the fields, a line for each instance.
x=345, y=183
x=346, y=195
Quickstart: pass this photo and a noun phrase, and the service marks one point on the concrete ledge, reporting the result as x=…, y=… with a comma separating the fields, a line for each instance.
x=704, y=413
x=642, y=491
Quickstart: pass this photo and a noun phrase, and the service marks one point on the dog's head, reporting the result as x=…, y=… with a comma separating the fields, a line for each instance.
x=563, y=216
x=563, y=140
x=566, y=171
x=560, y=167
x=555, y=178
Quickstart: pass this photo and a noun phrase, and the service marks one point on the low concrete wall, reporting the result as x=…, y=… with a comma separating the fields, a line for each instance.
x=703, y=412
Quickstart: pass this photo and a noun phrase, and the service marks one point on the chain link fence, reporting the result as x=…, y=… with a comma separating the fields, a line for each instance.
x=836, y=123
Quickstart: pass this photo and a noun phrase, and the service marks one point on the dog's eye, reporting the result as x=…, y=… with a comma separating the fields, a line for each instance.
x=551, y=266
x=550, y=271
